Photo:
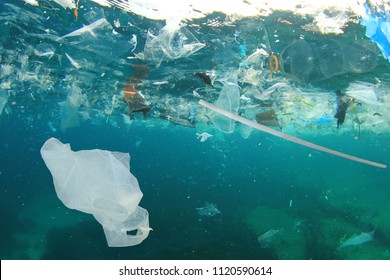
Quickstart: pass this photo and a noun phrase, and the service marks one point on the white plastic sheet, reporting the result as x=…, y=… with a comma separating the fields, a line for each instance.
x=99, y=182
x=365, y=92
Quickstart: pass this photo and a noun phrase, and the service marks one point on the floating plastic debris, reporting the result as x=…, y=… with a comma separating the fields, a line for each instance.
x=266, y=239
x=364, y=237
x=3, y=100
x=99, y=182
x=96, y=45
x=209, y=210
x=286, y=136
x=173, y=41
x=70, y=108
x=206, y=77
x=136, y=102
x=268, y=118
x=44, y=50
x=310, y=61
x=377, y=28
x=73, y=62
x=70, y=4
x=366, y=93
x=229, y=99
x=342, y=107
x=326, y=24
x=203, y=136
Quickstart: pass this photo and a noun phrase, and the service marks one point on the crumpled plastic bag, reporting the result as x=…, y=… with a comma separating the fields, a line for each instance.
x=171, y=42
x=99, y=182
x=377, y=29
x=229, y=99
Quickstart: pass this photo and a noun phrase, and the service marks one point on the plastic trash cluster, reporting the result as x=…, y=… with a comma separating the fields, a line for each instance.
x=171, y=42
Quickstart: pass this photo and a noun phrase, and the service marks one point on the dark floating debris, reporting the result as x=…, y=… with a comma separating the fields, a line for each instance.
x=268, y=118
x=342, y=106
x=205, y=77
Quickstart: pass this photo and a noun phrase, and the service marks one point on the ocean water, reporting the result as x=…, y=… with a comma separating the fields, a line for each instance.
x=315, y=201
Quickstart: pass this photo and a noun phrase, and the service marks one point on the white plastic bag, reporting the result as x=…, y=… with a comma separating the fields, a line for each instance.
x=99, y=182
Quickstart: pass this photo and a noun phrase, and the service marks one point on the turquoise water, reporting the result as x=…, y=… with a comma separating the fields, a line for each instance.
x=315, y=200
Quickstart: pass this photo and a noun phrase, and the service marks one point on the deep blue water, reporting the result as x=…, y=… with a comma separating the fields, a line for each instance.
x=177, y=174
x=315, y=200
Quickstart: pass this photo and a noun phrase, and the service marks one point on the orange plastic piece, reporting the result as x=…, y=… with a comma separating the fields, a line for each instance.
x=76, y=14
x=275, y=59
x=130, y=89
x=273, y=64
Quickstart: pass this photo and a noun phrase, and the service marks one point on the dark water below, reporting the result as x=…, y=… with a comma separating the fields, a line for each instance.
x=250, y=181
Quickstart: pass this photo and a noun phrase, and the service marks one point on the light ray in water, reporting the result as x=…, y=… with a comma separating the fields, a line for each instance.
x=286, y=136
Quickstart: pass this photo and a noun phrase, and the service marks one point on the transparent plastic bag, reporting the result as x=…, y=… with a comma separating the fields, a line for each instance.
x=99, y=182
x=172, y=42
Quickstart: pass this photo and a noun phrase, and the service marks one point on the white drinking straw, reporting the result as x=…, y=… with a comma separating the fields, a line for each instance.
x=286, y=136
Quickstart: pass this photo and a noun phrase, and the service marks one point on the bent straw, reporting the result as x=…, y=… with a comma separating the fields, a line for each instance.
x=286, y=136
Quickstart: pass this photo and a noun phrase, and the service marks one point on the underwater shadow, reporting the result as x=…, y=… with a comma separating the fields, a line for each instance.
x=11, y=247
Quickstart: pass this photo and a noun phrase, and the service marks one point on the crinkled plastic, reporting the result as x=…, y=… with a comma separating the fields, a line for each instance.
x=378, y=30
x=3, y=100
x=94, y=15
x=252, y=69
x=44, y=50
x=208, y=210
x=365, y=92
x=173, y=41
x=99, y=182
x=229, y=99
x=96, y=44
x=70, y=108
